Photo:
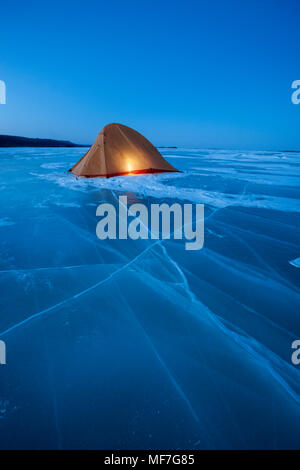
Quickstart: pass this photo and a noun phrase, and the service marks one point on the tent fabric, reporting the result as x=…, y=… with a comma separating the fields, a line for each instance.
x=120, y=150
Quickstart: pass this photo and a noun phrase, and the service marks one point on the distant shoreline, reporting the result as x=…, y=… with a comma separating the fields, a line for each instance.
x=16, y=141
x=7, y=141
x=11, y=141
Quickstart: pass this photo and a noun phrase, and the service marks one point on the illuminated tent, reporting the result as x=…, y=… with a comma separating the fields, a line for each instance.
x=119, y=150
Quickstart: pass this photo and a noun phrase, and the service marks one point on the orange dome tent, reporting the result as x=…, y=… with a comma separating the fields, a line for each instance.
x=120, y=150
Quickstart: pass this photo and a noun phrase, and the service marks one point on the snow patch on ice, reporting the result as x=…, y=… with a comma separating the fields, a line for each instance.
x=53, y=166
x=67, y=204
x=295, y=262
x=162, y=186
x=5, y=222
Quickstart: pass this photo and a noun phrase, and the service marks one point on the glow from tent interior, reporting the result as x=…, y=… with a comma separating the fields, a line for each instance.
x=129, y=167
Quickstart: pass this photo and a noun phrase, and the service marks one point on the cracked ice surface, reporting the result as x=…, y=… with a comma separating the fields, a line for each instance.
x=141, y=344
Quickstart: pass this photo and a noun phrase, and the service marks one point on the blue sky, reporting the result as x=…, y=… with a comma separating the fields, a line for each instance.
x=192, y=73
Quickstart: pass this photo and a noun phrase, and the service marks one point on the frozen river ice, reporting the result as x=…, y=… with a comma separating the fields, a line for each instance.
x=141, y=344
